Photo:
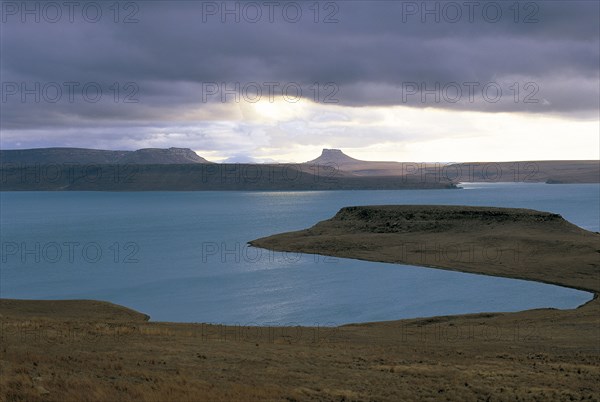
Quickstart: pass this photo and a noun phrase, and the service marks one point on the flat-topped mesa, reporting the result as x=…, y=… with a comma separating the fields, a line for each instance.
x=443, y=212
x=334, y=156
x=435, y=218
x=157, y=156
x=163, y=156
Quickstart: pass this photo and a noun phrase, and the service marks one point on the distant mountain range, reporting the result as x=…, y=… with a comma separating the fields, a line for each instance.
x=87, y=156
x=183, y=169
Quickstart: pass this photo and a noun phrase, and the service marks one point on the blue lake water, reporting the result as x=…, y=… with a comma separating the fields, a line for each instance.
x=182, y=256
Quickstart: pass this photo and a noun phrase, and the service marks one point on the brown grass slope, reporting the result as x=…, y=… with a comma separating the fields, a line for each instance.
x=68, y=310
x=540, y=355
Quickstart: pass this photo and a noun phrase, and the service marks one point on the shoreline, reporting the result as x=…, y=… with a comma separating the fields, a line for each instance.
x=453, y=186
x=593, y=293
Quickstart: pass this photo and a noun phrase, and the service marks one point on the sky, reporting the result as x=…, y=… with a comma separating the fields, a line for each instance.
x=278, y=81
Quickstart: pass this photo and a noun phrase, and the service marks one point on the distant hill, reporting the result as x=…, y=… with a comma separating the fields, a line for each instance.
x=335, y=156
x=551, y=172
x=86, y=156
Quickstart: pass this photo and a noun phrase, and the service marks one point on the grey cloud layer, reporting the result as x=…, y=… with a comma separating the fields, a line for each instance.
x=370, y=55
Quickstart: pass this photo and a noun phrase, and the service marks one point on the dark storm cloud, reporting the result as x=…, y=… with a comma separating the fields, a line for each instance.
x=373, y=55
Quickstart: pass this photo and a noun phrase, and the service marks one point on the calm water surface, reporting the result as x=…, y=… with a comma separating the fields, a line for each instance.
x=182, y=256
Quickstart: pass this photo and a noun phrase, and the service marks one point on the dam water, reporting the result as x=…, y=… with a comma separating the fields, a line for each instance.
x=183, y=257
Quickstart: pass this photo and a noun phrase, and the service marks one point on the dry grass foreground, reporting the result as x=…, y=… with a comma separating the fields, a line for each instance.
x=95, y=351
